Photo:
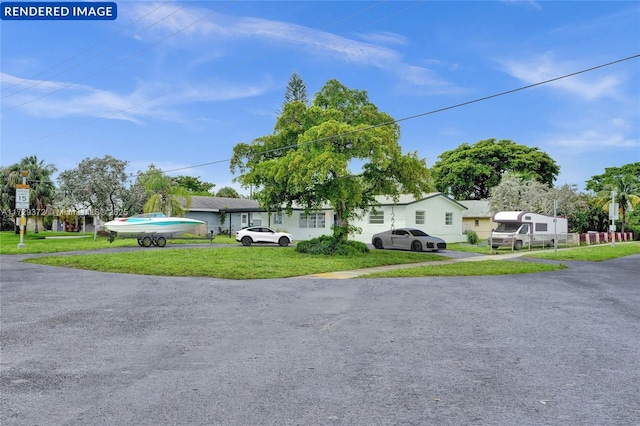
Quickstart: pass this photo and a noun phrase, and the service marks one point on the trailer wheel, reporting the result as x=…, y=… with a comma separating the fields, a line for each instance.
x=140, y=242
x=161, y=241
x=146, y=241
x=246, y=241
x=495, y=247
x=517, y=245
x=416, y=246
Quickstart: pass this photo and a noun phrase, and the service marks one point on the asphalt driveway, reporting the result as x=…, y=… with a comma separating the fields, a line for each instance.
x=88, y=348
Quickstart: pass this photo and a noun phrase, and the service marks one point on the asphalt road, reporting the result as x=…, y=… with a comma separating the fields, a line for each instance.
x=87, y=348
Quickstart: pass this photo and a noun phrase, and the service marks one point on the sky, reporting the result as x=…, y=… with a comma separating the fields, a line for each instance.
x=179, y=84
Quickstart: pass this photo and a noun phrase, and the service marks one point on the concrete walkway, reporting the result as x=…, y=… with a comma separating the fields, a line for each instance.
x=359, y=272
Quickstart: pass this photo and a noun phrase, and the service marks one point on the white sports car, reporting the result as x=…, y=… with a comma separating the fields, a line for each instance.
x=263, y=234
x=407, y=239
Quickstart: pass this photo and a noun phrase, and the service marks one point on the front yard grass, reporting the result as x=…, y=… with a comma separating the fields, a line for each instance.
x=467, y=269
x=229, y=262
x=596, y=253
x=55, y=242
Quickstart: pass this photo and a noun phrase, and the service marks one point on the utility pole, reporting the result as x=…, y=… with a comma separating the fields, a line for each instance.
x=612, y=216
x=555, y=226
x=22, y=203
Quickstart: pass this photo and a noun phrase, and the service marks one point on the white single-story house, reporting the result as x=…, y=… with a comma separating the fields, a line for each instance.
x=435, y=214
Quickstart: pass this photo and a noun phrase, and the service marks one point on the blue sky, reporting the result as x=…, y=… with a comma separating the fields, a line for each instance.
x=179, y=84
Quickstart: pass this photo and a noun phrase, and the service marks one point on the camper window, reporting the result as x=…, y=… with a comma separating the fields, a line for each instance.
x=541, y=227
x=507, y=227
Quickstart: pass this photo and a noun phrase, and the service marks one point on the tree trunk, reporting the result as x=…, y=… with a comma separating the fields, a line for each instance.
x=341, y=228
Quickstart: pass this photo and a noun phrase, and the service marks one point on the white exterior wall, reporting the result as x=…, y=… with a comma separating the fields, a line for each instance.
x=404, y=216
x=291, y=224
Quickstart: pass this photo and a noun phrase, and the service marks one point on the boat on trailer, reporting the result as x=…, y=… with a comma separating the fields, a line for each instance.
x=150, y=228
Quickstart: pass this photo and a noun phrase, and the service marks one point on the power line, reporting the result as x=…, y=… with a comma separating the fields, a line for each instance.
x=484, y=98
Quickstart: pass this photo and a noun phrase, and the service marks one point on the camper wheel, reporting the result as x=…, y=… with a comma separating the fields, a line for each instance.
x=517, y=245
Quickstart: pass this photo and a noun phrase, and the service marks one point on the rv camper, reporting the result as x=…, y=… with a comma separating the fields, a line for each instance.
x=519, y=229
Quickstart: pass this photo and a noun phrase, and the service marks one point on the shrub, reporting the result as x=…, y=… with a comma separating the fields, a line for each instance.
x=329, y=245
x=472, y=237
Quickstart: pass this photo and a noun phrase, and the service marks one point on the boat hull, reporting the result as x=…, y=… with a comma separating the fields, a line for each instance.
x=137, y=227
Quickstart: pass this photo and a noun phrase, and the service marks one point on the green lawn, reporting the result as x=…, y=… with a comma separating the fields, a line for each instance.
x=591, y=253
x=464, y=269
x=46, y=242
x=229, y=262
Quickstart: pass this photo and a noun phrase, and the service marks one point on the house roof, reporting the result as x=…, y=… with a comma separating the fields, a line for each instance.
x=476, y=208
x=215, y=204
x=404, y=199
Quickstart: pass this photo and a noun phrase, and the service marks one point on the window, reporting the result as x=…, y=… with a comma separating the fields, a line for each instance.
x=376, y=218
x=278, y=219
x=448, y=218
x=312, y=220
x=541, y=227
x=420, y=217
x=476, y=222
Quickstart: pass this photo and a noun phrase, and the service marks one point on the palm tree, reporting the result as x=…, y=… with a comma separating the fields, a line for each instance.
x=627, y=195
x=164, y=195
x=39, y=179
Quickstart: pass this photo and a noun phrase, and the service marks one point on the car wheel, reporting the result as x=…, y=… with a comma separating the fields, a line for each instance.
x=283, y=242
x=377, y=243
x=416, y=246
x=161, y=241
x=146, y=241
x=517, y=245
x=246, y=241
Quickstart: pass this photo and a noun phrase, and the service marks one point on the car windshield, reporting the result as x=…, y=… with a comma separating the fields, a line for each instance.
x=418, y=233
x=508, y=227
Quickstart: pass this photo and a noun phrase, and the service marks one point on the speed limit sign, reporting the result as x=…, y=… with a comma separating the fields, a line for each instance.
x=22, y=198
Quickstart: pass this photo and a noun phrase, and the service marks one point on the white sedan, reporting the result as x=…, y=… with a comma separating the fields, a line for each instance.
x=263, y=234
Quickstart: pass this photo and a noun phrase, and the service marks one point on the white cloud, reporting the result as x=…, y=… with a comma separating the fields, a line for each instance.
x=545, y=67
x=596, y=140
x=145, y=101
x=216, y=27
x=384, y=37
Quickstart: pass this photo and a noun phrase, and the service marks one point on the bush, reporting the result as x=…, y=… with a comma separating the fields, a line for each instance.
x=472, y=237
x=328, y=245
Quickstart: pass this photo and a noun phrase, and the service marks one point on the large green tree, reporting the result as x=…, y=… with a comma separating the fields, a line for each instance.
x=164, y=194
x=228, y=192
x=624, y=190
x=296, y=90
x=625, y=182
x=98, y=184
x=468, y=172
x=310, y=159
x=194, y=185
x=42, y=188
x=604, y=181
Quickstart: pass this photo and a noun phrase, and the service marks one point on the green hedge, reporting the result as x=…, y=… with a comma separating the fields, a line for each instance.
x=328, y=245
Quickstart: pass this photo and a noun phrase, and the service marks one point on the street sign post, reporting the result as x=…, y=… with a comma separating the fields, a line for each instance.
x=22, y=203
